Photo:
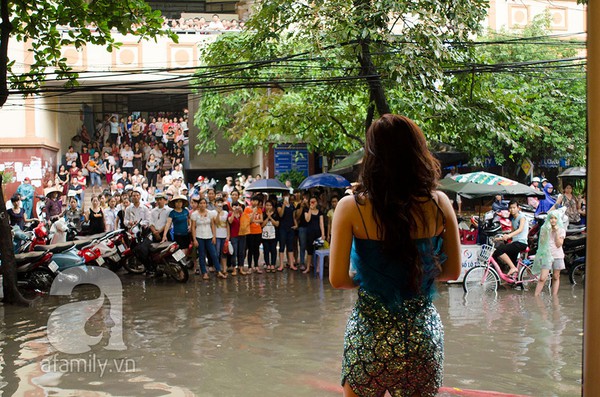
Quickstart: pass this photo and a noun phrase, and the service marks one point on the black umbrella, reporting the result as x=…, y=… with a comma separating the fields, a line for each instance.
x=573, y=172
x=446, y=154
x=267, y=185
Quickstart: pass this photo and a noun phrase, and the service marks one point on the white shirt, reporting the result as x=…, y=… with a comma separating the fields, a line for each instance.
x=203, y=224
x=127, y=156
x=159, y=216
x=134, y=214
x=110, y=217
x=228, y=189
x=221, y=231
x=177, y=174
x=167, y=180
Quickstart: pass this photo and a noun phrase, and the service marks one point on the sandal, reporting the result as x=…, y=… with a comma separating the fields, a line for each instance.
x=258, y=270
x=280, y=269
x=293, y=267
x=306, y=271
x=205, y=276
x=234, y=272
x=221, y=275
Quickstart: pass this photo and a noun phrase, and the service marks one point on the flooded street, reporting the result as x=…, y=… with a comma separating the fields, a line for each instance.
x=280, y=335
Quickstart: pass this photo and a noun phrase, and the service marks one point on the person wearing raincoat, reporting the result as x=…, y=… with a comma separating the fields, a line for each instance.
x=26, y=191
x=550, y=254
x=547, y=202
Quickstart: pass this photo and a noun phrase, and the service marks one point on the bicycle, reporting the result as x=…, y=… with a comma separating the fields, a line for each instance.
x=486, y=277
x=577, y=272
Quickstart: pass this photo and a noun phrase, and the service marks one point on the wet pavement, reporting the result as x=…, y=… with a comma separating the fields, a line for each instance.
x=279, y=335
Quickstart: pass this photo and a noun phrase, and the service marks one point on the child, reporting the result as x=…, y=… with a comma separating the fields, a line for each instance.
x=550, y=255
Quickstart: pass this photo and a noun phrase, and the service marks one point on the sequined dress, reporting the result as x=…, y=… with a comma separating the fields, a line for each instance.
x=394, y=340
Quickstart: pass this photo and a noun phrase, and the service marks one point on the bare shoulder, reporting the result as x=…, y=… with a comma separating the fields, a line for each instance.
x=443, y=201
x=346, y=204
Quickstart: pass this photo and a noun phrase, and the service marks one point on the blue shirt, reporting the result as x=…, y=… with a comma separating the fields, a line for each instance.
x=180, y=221
x=521, y=237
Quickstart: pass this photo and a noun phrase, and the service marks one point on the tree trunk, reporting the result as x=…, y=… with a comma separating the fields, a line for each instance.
x=8, y=269
x=6, y=28
x=368, y=69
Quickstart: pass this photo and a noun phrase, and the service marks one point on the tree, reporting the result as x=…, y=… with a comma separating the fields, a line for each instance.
x=522, y=94
x=318, y=72
x=85, y=22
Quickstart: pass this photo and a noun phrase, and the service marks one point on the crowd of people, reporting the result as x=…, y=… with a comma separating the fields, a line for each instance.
x=220, y=230
x=200, y=24
x=197, y=24
x=133, y=169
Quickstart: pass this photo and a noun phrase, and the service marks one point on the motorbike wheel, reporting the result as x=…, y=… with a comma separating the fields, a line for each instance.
x=41, y=279
x=177, y=271
x=113, y=266
x=134, y=265
x=577, y=274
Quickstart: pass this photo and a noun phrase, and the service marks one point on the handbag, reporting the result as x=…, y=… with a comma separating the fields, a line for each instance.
x=227, y=247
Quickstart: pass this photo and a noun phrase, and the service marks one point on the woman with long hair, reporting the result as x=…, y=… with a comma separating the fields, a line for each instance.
x=402, y=236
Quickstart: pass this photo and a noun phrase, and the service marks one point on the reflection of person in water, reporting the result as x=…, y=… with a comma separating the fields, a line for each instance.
x=402, y=237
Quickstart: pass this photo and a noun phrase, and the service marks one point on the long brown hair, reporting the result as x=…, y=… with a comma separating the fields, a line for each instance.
x=398, y=173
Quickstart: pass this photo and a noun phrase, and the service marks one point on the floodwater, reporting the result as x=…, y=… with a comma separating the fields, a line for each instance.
x=279, y=335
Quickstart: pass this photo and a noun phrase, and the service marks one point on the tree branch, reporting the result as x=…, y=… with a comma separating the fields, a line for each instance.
x=345, y=131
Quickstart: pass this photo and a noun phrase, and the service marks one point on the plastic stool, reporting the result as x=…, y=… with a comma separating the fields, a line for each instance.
x=320, y=256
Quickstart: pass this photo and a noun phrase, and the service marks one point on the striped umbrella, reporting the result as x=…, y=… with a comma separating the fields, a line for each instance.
x=485, y=178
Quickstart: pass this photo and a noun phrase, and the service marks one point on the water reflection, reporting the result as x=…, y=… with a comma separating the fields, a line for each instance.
x=281, y=334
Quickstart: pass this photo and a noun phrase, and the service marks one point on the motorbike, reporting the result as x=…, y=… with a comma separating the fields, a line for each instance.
x=167, y=257
x=64, y=254
x=35, y=270
x=106, y=244
x=494, y=224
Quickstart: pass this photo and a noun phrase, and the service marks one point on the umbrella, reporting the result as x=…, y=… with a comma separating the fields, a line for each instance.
x=485, y=185
x=446, y=154
x=573, y=172
x=267, y=185
x=324, y=180
x=485, y=178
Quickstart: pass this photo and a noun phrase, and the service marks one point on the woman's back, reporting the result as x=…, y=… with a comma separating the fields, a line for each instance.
x=387, y=276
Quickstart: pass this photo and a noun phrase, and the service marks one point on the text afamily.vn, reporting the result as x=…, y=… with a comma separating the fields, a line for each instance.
x=91, y=364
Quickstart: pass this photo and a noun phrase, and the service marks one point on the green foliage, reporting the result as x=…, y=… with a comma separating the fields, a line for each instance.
x=294, y=176
x=299, y=73
x=38, y=23
x=7, y=177
x=530, y=103
x=297, y=76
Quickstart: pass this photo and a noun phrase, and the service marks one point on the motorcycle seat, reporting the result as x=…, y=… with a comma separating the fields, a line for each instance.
x=29, y=257
x=79, y=244
x=54, y=248
x=91, y=237
x=160, y=246
x=576, y=229
x=575, y=239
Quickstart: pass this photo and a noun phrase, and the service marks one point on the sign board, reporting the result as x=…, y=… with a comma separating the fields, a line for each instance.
x=291, y=157
x=526, y=166
x=469, y=254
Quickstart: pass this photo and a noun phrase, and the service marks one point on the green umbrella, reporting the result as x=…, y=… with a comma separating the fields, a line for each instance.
x=485, y=185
